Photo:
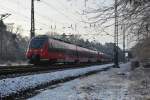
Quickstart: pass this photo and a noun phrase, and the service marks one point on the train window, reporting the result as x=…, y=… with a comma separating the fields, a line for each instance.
x=37, y=43
x=56, y=46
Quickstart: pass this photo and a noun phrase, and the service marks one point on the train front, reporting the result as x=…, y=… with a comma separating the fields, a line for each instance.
x=37, y=49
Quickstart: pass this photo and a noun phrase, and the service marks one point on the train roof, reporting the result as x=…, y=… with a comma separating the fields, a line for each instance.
x=41, y=36
x=47, y=36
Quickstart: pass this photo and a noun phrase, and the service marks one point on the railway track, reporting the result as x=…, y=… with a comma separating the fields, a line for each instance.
x=12, y=71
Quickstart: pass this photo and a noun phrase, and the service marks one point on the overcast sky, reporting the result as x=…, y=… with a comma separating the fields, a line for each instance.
x=51, y=13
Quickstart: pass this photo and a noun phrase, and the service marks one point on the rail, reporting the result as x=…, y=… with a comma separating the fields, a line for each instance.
x=8, y=70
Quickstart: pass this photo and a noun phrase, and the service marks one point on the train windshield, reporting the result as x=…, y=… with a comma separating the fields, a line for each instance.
x=37, y=43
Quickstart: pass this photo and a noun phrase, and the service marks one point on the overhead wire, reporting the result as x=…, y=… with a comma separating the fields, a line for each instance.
x=51, y=6
x=21, y=15
x=66, y=8
x=42, y=16
x=45, y=17
x=67, y=17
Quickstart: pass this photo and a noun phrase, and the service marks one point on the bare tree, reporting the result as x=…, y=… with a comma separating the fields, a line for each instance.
x=134, y=14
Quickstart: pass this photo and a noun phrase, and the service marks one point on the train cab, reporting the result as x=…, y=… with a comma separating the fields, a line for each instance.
x=38, y=48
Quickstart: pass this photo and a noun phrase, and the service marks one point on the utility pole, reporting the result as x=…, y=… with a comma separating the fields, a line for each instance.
x=124, y=59
x=32, y=31
x=85, y=3
x=116, y=36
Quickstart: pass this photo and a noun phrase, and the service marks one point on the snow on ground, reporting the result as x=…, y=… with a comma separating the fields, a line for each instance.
x=114, y=84
x=109, y=85
x=14, y=85
x=140, y=86
x=13, y=64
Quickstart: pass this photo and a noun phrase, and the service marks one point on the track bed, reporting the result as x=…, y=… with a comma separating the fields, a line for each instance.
x=22, y=70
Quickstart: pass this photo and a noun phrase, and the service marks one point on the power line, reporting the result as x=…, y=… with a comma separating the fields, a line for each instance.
x=45, y=17
x=59, y=1
x=22, y=15
x=51, y=6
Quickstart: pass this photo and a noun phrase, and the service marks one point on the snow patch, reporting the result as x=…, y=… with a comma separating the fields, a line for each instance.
x=107, y=85
x=13, y=85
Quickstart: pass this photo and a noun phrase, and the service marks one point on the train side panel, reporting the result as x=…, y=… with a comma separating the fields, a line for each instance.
x=58, y=51
x=61, y=52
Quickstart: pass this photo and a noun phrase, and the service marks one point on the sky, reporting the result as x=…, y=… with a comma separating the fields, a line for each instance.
x=55, y=16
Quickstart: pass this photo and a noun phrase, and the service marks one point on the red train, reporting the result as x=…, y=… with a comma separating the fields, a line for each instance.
x=44, y=48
